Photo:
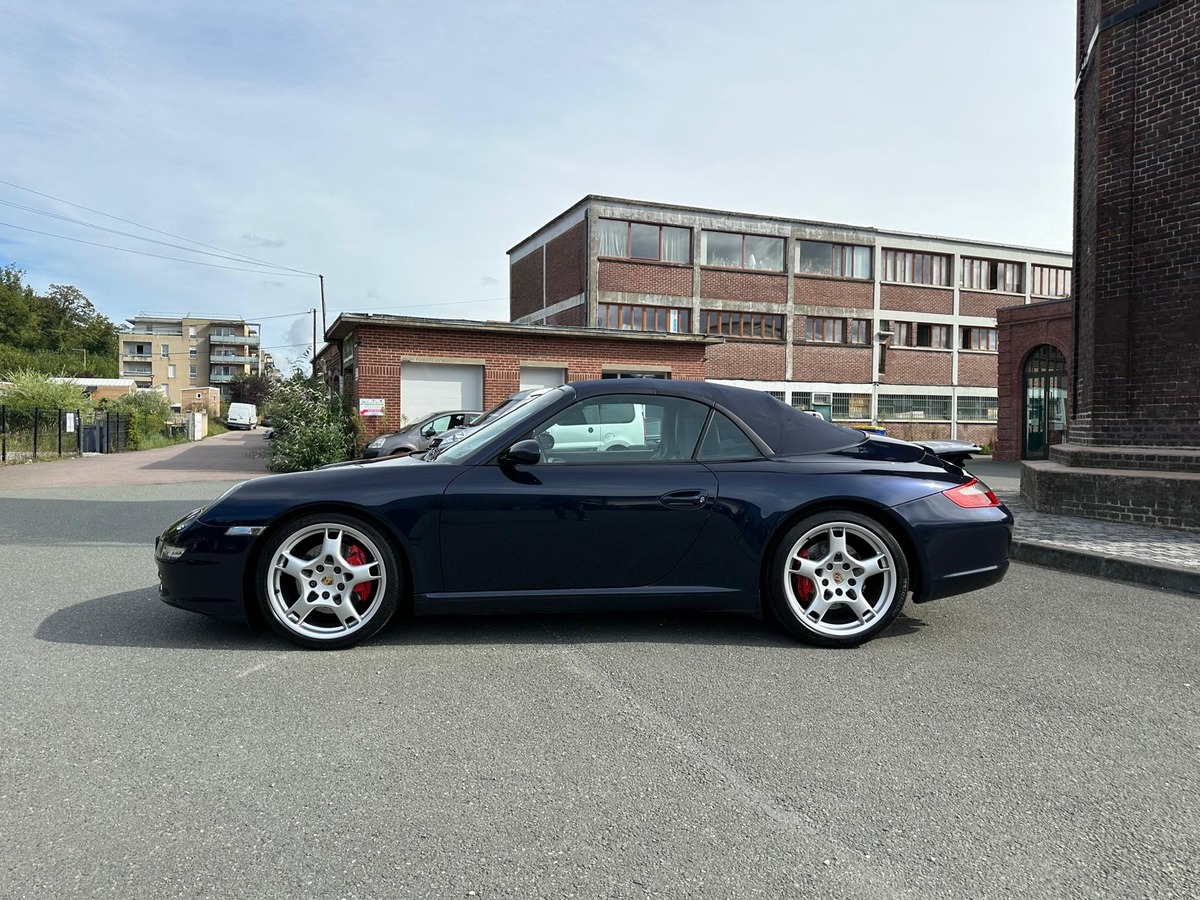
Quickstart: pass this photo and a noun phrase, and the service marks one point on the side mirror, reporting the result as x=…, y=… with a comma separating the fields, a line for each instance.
x=522, y=453
x=428, y=432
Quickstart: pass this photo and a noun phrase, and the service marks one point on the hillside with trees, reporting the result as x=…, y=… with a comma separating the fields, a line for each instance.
x=50, y=332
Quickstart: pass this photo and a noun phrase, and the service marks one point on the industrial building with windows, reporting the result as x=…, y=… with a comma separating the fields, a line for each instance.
x=180, y=355
x=866, y=325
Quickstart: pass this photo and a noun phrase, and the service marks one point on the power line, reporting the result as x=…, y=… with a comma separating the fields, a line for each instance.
x=177, y=237
x=193, y=262
x=136, y=237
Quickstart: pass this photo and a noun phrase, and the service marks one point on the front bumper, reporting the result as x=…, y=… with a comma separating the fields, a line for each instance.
x=209, y=575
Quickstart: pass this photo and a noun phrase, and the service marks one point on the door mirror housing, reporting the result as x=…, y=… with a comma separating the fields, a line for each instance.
x=522, y=453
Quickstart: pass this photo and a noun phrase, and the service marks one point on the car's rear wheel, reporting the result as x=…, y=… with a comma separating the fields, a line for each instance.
x=838, y=578
x=328, y=581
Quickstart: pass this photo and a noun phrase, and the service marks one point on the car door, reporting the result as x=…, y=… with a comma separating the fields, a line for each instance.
x=581, y=519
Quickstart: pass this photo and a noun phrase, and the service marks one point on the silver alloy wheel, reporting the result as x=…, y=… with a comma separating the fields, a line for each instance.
x=840, y=579
x=315, y=591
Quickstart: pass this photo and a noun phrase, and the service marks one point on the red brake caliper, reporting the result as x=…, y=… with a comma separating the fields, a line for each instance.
x=804, y=586
x=356, y=556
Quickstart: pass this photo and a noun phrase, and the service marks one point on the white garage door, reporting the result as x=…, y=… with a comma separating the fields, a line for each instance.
x=431, y=387
x=537, y=377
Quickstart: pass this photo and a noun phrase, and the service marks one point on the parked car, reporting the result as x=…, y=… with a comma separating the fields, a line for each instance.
x=741, y=504
x=416, y=437
x=503, y=408
x=242, y=416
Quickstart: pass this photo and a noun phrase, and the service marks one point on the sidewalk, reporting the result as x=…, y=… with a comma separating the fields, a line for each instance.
x=1139, y=554
x=234, y=456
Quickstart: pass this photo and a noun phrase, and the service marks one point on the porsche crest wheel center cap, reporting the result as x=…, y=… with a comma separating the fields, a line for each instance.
x=327, y=580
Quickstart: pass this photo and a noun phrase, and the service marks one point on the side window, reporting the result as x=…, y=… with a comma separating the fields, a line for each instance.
x=624, y=428
x=725, y=441
x=438, y=425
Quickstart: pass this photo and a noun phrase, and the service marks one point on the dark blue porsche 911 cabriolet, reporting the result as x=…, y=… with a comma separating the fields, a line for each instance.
x=603, y=495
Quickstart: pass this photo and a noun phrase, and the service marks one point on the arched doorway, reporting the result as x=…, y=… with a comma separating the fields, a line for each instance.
x=1045, y=392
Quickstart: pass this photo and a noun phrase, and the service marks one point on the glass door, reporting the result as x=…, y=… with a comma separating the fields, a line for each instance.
x=1045, y=402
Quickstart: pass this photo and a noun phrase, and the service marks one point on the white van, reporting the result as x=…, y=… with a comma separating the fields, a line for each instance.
x=242, y=415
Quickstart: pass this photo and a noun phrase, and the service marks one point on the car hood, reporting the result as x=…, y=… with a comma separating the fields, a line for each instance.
x=365, y=483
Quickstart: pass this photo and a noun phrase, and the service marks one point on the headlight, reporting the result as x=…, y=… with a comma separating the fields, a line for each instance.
x=375, y=444
x=168, y=552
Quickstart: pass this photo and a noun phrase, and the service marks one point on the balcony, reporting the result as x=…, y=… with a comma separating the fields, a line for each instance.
x=248, y=340
x=129, y=354
x=231, y=359
x=221, y=379
x=136, y=373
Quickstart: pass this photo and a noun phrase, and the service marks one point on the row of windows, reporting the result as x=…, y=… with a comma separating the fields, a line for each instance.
x=623, y=317
x=924, y=334
x=765, y=326
x=743, y=324
x=671, y=243
x=856, y=407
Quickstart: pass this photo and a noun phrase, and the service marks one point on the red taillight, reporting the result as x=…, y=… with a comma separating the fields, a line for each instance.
x=973, y=495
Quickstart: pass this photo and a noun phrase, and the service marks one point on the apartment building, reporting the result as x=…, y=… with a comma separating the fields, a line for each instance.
x=863, y=324
x=178, y=355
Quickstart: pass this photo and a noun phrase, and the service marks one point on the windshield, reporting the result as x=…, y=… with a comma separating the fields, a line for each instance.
x=525, y=410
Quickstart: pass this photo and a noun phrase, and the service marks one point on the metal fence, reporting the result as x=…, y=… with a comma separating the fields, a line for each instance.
x=54, y=433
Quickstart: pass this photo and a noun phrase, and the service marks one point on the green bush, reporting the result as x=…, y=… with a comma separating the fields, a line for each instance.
x=310, y=429
x=28, y=390
x=148, y=413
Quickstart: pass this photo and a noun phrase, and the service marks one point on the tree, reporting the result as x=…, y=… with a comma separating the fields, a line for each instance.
x=254, y=389
x=50, y=332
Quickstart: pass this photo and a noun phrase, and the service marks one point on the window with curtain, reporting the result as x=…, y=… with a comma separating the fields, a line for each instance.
x=991, y=275
x=910, y=267
x=623, y=317
x=742, y=251
x=825, y=330
x=642, y=240
x=1050, y=281
x=836, y=260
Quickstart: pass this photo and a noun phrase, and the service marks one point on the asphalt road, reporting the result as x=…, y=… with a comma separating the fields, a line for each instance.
x=1039, y=739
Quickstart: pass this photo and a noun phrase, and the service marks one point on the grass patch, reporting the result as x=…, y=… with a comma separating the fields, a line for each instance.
x=215, y=427
x=155, y=441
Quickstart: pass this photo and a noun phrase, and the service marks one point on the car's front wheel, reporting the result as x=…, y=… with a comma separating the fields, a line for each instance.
x=328, y=581
x=838, y=578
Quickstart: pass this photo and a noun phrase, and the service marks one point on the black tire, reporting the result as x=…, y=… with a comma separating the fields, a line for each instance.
x=327, y=581
x=837, y=596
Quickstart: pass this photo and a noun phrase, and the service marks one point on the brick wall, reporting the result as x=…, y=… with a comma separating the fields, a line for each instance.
x=907, y=366
x=717, y=284
x=821, y=362
x=895, y=298
x=645, y=278
x=975, y=303
x=573, y=316
x=382, y=348
x=834, y=292
x=1137, y=229
x=976, y=369
x=525, y=285
x=1019, y=330
x=566, y=265
x=747, y=359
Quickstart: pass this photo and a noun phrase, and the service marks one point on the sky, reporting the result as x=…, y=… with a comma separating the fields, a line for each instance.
x=401, y=148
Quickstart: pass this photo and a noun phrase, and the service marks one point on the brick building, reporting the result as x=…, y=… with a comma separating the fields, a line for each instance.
x=869, y=325
x=1137, y=224
x=1134, y=413
x=416, y=366
x=1034, y=378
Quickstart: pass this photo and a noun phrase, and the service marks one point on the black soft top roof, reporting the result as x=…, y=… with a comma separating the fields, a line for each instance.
x=785, y=431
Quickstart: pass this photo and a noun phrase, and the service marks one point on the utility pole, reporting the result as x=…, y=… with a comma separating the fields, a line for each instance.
x=82, y=350
x=314, y=353
x=324, y=324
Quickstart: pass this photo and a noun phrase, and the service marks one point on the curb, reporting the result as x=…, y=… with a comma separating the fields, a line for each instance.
x=1081, y=562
